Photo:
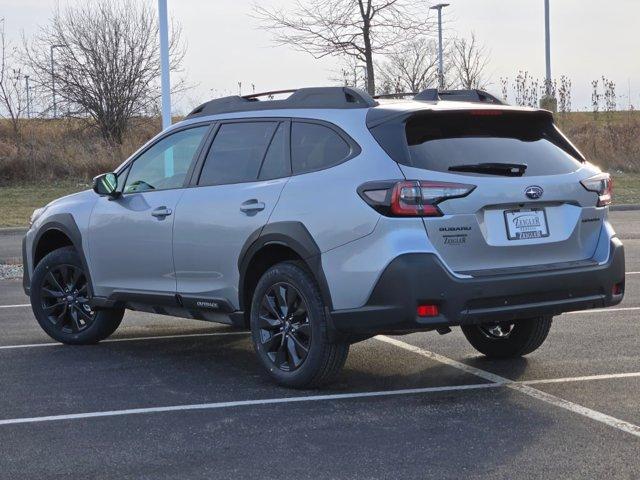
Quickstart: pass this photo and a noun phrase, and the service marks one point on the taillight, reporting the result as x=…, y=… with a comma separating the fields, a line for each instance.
x=411, y=198
x=602, y=184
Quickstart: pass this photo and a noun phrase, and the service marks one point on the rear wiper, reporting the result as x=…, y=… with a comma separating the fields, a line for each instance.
x=506, y=169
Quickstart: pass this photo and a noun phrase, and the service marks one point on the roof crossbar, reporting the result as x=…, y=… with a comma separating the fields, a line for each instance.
x=314, y=97
x=474, y=96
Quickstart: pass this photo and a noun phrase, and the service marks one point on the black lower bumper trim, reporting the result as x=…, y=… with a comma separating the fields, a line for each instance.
x=421, y=278
x=26, y=281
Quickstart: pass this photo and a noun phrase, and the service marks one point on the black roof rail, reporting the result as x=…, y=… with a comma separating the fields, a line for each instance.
x=474, y=96
x=396, y=95
x=313, y=97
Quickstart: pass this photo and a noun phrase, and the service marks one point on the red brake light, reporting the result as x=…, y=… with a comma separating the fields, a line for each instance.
x=420, y=198
x=602, y=184
x=485, y=113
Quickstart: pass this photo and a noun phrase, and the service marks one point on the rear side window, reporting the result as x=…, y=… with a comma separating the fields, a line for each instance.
x=276, y=162
x=441, y=141
x=237, y=152
x=315, y=146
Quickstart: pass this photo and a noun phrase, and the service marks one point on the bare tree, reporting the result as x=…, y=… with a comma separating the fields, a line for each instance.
x=470, y=60
x=107, y=61
x=413, y=67
x=13, y=101
x=352, y=28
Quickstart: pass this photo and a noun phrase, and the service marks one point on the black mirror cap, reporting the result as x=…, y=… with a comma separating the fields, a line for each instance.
x=106, y=185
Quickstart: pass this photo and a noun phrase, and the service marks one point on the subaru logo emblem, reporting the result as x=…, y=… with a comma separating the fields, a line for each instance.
x=534, y=192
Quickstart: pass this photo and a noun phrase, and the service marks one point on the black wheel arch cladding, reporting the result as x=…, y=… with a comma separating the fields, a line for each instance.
x=65, y=224
x=292, y=235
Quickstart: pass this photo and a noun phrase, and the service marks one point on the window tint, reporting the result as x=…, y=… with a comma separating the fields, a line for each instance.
x=165, y=164
x=276, y=162
x=314, y=147
x=448, y=140
x=236, y=153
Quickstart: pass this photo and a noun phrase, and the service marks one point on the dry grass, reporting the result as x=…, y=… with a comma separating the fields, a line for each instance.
x=64, y=150
x=611, y=140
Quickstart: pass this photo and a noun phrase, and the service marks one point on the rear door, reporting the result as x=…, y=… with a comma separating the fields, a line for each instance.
x=532, y=212
x=234, y=193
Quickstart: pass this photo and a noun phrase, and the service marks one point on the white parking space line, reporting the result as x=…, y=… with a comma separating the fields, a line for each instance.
x=585, y=378
x=521, y=387
x=131, y=339
x=16, y=306
x=601, y=310
x=244, y=403
x=345, y=396
x=633, y=273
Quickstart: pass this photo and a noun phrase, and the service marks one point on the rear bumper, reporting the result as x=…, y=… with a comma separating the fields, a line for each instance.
x=421, y=278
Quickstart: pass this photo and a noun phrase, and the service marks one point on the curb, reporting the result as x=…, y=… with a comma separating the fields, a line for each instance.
x=13, y=231
x=624, y=207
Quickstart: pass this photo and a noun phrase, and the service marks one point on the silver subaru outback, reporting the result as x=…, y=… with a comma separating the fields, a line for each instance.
x=328, y=217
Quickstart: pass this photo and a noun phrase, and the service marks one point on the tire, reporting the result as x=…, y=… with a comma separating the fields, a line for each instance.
x=63, y=312
x=287, y=315
x=523, y=337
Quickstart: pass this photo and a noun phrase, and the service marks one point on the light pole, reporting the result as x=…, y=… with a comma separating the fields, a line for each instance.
x=53, y=81
x=439, y=8
x=164, y=64
x=547, y=43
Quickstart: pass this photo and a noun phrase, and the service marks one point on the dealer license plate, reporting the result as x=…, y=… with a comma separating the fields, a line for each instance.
x=526, y=223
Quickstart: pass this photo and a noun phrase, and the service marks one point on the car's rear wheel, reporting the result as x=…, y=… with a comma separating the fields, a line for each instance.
x=508, y=339
x=290, y=330
x=60, y=301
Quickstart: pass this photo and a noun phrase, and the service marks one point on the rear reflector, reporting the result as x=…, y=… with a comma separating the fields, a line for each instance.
x=617, y=289
x=429, y=310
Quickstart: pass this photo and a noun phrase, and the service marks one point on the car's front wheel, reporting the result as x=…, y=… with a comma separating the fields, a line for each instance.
x=508, y=339
x=290, y=330
x=60, y=301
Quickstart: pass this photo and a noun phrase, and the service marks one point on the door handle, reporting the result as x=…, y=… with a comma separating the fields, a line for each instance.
x=161, y=212
x=252, y=206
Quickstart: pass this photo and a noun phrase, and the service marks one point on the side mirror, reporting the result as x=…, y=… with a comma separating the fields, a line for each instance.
x=106, y=185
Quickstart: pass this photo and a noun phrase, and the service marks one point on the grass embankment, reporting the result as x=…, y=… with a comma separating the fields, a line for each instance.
x=17, y=203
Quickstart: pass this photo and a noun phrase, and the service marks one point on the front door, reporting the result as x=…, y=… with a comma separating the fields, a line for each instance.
x=130, y=237
x=243, y=175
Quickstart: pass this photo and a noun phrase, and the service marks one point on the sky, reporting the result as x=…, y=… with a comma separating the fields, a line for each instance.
x=225, y=46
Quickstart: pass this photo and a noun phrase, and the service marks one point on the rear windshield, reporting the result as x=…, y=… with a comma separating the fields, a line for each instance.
x=440, y=141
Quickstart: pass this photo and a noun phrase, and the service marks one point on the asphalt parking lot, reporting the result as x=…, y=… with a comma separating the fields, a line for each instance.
x=169, y=398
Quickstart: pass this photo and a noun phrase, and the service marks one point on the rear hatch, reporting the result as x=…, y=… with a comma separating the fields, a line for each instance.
x=528, y=210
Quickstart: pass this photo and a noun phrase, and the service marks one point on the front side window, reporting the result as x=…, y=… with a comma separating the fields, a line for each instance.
x=237, y=152
x=165, y=164
x=314, y=147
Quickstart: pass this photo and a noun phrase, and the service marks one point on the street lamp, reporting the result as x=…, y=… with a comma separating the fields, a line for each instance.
x=164, y=64
x=439, y=8
x=53, y=81
x=547, y=43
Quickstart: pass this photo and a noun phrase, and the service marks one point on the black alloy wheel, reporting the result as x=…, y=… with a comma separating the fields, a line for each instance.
x=283, y=321
x=60, y=293
x=63, y=294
